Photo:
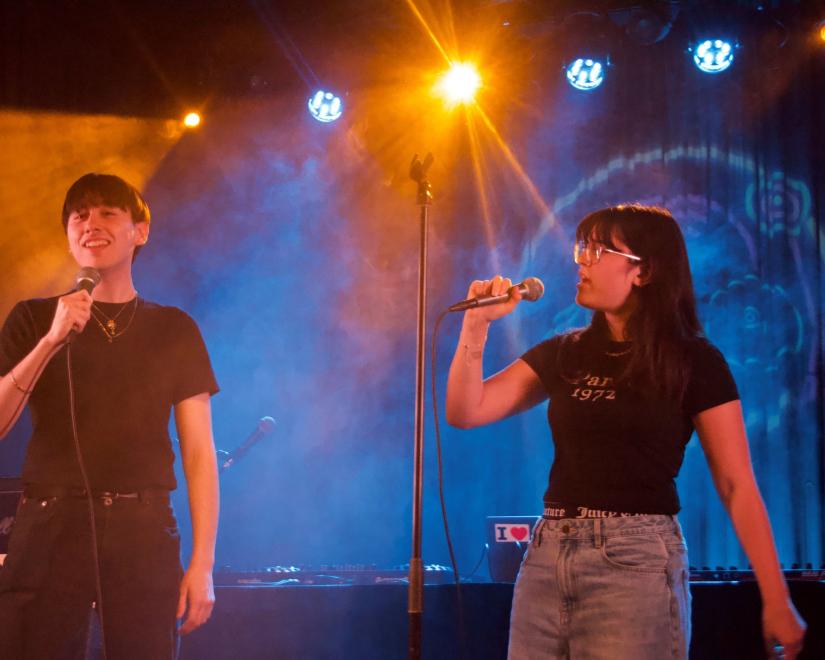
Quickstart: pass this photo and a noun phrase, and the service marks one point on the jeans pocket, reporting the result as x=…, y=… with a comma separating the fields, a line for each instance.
x=145, y=538
x=677, y=569
x=30, y=544
x=640, y=553
x=161, y=510
x=534, y=548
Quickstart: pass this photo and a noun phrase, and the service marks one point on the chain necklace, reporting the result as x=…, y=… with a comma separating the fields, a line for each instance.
x=111, y=324
x=109, y=329
x=619, y=353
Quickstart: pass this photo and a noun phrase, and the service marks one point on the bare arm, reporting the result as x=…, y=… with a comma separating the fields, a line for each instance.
x=471, y=400
x=72, y=313
x=193, y=418
x=722, y=434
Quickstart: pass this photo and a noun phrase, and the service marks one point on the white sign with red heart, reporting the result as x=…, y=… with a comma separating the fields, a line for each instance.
x=512, y=533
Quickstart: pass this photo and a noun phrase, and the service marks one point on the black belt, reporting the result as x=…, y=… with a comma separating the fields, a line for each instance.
x=39, y=492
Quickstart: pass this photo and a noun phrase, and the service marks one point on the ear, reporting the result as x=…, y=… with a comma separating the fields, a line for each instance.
x=644, y=276
x=141, y=233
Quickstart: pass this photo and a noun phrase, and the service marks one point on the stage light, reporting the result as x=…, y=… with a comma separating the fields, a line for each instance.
x=713, y=55
x=821, y=29
x=324, y=106
x=192, y=120
x=648, y=23
x=586, y=73
x=459, y=84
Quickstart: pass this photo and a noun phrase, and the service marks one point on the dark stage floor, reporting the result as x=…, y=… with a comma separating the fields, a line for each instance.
x=370, y=622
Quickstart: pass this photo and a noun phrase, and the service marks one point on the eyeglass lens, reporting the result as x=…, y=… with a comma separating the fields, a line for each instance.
x=586, y=253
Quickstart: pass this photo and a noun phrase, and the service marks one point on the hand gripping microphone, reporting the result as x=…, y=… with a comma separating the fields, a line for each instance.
x=87, y=279
x=531, y=290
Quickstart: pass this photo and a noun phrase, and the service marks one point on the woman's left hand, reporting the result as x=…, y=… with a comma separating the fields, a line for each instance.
x=783, y=631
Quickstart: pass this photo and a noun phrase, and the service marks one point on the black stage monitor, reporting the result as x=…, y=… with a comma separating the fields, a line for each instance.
x=507, y=537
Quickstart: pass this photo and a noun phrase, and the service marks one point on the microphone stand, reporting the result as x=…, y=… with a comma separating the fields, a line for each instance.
x=415, y=590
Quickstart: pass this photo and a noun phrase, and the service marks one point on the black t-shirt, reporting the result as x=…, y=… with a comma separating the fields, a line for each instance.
x=617, y=448
x=124, y=392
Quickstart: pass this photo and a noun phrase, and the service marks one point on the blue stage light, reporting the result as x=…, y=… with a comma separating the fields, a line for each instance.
x=713, y=55
x=325, y=106
x=585, y=74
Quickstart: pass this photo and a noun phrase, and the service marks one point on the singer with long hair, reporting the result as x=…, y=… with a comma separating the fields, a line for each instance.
x=101, y=369
x=606, y=572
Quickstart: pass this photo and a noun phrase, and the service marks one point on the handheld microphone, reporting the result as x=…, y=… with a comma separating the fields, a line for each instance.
x=531, y=290
x=266, y=425
x=87, y=279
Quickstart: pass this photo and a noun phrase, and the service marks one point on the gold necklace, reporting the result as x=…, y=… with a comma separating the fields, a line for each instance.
x=619, y=353
x=111, y=322
x=110, y=329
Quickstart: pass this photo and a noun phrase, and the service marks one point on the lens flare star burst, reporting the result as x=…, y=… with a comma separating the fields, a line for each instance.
x=459, y=84
x=447, y=95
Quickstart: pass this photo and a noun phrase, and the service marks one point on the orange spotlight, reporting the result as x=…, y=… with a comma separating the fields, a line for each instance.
x=458, y=84
x=822, y=31
x=191, y=120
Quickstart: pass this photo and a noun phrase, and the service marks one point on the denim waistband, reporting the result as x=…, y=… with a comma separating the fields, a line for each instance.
x=602, y=527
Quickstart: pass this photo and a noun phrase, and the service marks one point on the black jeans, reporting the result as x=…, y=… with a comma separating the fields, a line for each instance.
x=47, y=584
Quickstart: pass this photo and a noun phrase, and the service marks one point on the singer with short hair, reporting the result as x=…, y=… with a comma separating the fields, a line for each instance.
x=606, y=573
x=101, y=369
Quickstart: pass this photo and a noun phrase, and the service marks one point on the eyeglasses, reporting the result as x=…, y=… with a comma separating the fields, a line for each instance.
x=588, y=254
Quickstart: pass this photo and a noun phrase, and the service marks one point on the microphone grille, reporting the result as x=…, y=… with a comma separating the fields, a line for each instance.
x=87, y=278
x=535, y=289
x=266, y=424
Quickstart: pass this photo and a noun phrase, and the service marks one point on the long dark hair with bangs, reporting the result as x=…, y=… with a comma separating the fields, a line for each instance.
x=665, y=320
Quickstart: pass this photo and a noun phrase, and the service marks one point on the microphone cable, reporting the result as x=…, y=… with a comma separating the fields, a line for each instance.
x=485, y=548
x=89, y=499
x=23, y=400
x=456, y=576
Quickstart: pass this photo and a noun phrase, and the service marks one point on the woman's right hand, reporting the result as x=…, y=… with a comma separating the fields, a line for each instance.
x=72, y=313
x=473, y=400
x=495, y=287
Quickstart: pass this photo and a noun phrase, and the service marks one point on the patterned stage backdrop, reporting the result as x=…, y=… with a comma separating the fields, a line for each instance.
x=741, y=174
x=294, y=244
x=756, y=259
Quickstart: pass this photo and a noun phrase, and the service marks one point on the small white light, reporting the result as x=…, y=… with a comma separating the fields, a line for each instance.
x=585, y=74
x=713, y=55
x=325, y=106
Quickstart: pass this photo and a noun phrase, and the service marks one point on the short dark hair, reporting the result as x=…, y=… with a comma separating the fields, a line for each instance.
x=94, y=189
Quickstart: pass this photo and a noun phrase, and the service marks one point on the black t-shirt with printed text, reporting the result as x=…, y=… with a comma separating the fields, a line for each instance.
x=617, y=448
x=124, y=393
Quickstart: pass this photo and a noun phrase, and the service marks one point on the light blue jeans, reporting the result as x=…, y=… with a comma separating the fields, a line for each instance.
x=603, y=589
